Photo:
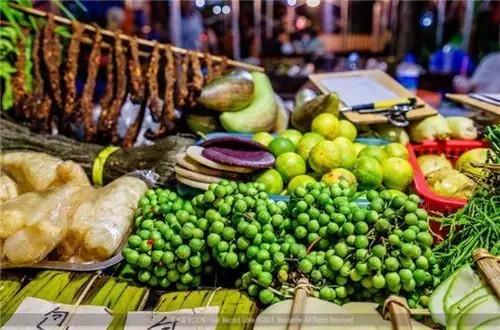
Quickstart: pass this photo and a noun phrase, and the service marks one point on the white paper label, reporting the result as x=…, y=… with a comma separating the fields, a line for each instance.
x=200, y=318
x=34, y=313
x=358, y=90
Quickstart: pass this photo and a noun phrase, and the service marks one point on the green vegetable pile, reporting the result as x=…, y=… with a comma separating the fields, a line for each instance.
x=346, y=251
x=168, y=246
x=477, y=225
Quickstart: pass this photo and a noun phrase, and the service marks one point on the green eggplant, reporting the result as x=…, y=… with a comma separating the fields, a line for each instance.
x=231, y=92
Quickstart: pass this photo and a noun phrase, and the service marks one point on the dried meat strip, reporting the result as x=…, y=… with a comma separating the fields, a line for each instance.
x=109, y=117
x=197, y=82
x=182, y=87
x=136, y=79
x=18, y=81
x=109, y=91
x=210, y=68
x=170, y=74
x=37, y=96
x=52, y=56
x=197, y=79
x=170, y=78
x=221, y=68
x=152, y=77
x=86, y=102
x=71, y=73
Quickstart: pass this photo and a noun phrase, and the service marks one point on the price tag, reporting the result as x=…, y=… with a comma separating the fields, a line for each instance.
x=34, y=313
x=201, y=318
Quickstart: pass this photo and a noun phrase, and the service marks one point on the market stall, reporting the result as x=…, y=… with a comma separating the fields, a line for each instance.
x=183, y=193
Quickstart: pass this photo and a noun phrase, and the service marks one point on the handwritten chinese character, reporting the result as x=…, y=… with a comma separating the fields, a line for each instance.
x=55, y=317
x=163, y=324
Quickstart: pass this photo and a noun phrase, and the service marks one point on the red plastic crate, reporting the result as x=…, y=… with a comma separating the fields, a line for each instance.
x=433, y=203
x=451, y=149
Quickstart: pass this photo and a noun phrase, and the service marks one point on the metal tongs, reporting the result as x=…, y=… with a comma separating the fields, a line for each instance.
x=394, y=110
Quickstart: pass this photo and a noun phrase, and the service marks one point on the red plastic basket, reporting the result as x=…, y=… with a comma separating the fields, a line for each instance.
x=451, y=149
x=433, y=203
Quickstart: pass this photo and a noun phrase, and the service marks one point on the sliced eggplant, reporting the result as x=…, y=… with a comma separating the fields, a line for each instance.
x=251, y=159
x=196, y=176
x=195, y=152
x=234, y=142
x=185, y=161
x=192, y=183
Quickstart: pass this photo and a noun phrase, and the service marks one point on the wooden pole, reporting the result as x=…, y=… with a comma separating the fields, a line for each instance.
x=467, y=27
x=269, y=18
x=175, y=22
x=441, y=17
x=257, y=31
x=235, y=26
x=142, y=42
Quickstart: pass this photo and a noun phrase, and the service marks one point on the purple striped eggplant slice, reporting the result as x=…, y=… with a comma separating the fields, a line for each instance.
x=235, y=143
x=256, y=159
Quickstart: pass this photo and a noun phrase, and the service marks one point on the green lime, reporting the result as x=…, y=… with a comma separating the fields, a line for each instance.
x=272, y=180
x=281, y=145
x=347, y=129
x=347, y=151
x=397, y=172
x=396, y=150
x=368, y=172
x=263, y=138
x=299, y=181
x=339, y=174
x=292, y=135
x=289, y=165
x=307, y=142
x=358, y=147
x=326, y=125
x=324, y=156
x=374, y=152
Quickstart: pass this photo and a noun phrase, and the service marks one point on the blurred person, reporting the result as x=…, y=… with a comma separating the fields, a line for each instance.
x=191, y=25
x=115, y=17
x=486, y=78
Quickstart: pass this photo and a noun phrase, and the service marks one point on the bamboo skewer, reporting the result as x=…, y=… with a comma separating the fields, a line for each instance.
x=396, y=309
x=490, y=267
x=299, y=300
x=143, y=42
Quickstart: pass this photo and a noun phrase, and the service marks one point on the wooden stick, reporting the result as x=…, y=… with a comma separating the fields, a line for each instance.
x=399, y=313
x=143, y=42
x=489, y=266
x=295, y=317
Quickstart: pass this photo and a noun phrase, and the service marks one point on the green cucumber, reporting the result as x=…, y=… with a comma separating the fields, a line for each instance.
x=462, y=285
x=462, y=304
x=436, y=302
x=490, y=324
x=488, y=308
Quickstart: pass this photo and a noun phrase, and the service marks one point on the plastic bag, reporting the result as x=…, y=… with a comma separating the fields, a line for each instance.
x=8, y=188
x=37, y=171
x=101, y=222
x=32, y=224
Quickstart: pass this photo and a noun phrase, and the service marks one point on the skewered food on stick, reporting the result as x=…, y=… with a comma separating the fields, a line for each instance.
x=52, y=54
x=86, y=103
x=134, y=65
x=71, y=73
x=152, y=77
